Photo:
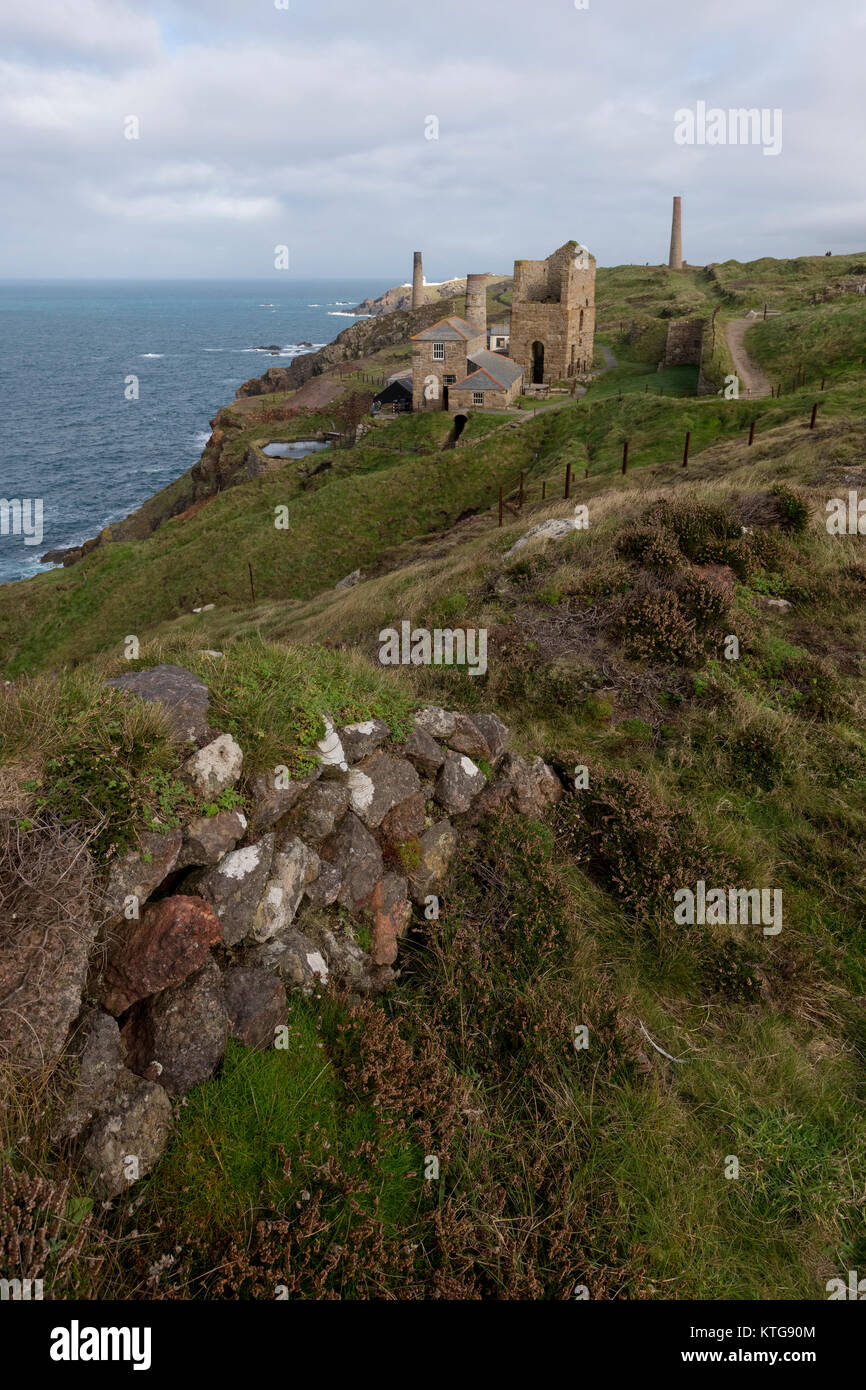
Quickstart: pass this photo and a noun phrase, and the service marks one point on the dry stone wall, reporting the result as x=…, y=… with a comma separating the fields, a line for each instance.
x=200, y=932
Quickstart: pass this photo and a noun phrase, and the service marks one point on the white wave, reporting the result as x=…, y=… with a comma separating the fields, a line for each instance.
x=338, y=314
x=151, y=354
x=200, y=438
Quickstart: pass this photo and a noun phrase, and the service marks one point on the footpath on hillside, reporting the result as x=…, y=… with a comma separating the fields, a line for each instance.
x=750, y=374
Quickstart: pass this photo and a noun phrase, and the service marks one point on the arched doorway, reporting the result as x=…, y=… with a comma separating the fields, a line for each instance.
x=537, y=363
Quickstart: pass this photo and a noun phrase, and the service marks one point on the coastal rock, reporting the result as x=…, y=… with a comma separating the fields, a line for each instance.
x=467, y=738
x=528, y=787
x=423, y=752
x=294, y=957
x=436, y=722
x=130, y=1136
x=459, y=781
x=140, y=872
x=391, y=910
x=358, y=857
x=177, y=1037
x=236, y=885
x=213, y=768
x=435, y=851
x=208, y=838
x=332, y=757
x=97, y=1060
x=324, y=888
x=405, y=821
x=182, y=695
x=256, y=1005
x=361, y=739
x=378, y=784
x=318, y=812
x=293, y=867
x=272, y=802
x=170, y=940
x=492, y=729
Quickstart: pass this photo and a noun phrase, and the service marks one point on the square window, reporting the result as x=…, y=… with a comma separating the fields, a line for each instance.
x=438, y=352
x=448, y=380
x=477, y=397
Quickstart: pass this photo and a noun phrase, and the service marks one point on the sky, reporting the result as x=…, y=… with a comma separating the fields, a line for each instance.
x=193, y=138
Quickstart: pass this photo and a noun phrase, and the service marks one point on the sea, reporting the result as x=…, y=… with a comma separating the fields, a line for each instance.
x=107, y=388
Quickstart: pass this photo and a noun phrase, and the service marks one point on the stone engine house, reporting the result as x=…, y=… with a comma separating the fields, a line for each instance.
x=553, y=315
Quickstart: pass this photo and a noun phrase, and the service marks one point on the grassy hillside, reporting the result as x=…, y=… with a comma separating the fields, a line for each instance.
x=609, y=650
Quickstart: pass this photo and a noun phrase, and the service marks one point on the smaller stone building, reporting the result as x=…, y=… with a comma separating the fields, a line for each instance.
x=439, y=360
x=493, y=384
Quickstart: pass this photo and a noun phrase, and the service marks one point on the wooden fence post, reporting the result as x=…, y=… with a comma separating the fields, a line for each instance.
x=625, y=456
x=686, y=449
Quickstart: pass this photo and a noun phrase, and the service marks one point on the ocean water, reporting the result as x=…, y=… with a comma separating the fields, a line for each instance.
x=72, y=438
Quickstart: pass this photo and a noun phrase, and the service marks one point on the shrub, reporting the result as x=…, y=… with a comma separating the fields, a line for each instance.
x=794, y=507
x=655, y=628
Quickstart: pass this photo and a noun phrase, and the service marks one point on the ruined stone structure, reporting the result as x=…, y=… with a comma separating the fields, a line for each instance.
x=476, y=300
x=675, y=259
x=553, y=314
x=417, y=282
x=685, y=342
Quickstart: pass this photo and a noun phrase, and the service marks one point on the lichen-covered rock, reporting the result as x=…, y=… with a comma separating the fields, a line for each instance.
x=129, y=1136
x=183, y=697
x=459, y=781
x=213, y=768
x=325, y=886
x=436, y=722
x=492, y=729
x=405, y=821
x=272, y=800
x=361, y=739
x=435, y=851
x=208, y=838
x=467, y=738
x=378, y=784
x=424, y=752
x=178, y=1036
x=332, y=756
x=236, y=886
x=256, y=1005
x=169, y=941
x=317, y=813
x=293, y=867
x=96, y=1060
x=357, y=855
x=348, y=964
x=294, y=957
x=527, y=787
x=391, y=910
x=140, y=871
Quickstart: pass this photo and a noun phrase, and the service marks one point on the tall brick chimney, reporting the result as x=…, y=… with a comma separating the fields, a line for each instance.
x=476, y=301
x=417, y=282
x=675, y=261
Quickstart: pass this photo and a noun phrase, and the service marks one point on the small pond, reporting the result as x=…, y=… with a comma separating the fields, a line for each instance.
x=296, y=449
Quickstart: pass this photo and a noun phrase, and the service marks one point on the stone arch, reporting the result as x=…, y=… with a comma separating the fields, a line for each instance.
x=537, y=363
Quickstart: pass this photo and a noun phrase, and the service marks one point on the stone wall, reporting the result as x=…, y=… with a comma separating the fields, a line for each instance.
x=685, y=342
x=199, y=931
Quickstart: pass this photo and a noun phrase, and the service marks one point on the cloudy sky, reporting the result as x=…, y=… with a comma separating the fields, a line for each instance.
x=306, y=123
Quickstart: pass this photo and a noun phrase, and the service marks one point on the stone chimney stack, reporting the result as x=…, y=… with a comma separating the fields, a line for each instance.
x=476, y=301
x=417, y=282
x=675, y=261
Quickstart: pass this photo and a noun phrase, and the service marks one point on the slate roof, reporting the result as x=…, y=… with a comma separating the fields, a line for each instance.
x=450, y=330
x=502, y=369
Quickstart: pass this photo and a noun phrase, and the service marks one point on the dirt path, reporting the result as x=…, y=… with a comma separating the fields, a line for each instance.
x=753, y=382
